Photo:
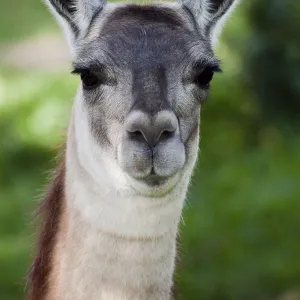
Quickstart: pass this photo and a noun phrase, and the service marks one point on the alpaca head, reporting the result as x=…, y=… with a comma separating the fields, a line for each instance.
x=145, y=71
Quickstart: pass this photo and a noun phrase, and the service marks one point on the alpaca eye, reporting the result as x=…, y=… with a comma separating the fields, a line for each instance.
x=204, y=78
x=89, y=80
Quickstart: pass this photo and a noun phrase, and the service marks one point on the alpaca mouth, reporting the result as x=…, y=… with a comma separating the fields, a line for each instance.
x=154, y=179
x=153, y=166
x=154, y=185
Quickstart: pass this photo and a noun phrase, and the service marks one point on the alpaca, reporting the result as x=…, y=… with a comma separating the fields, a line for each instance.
x=111, y=214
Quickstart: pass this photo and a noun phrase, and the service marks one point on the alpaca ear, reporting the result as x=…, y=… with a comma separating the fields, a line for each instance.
x=75, y=15
x=210, y=15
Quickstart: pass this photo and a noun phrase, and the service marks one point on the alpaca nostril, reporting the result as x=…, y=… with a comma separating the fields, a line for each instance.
x=140, y=127
x=151, y=135
x=165, y=135
x=136, y=135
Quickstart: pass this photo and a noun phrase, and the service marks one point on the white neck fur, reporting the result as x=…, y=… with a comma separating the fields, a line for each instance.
x=117, y=244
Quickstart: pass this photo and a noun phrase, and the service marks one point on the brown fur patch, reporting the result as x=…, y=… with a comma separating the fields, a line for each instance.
x=50, y=212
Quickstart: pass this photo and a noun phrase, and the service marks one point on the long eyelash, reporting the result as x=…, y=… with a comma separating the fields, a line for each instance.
x=79, y=71
x=200, y=66
x=217, y=69
x=79, y=68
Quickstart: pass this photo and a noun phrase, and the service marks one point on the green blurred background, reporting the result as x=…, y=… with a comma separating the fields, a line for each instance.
x=241, y=237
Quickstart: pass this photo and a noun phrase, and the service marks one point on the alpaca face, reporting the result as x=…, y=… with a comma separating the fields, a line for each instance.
x=144, y=76
x=145, y=71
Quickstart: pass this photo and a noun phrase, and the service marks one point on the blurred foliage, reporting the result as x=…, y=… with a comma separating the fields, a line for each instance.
x=240, y=239
x=20, y=19
x=273, y=58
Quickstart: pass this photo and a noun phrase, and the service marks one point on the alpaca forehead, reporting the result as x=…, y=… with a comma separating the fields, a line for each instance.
x=141, y=37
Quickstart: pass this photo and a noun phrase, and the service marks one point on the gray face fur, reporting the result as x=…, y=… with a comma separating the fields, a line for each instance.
x=145, y=72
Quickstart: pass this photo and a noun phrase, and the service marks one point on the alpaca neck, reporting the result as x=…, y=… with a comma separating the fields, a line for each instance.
x=112, y=243
x=91, y=264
